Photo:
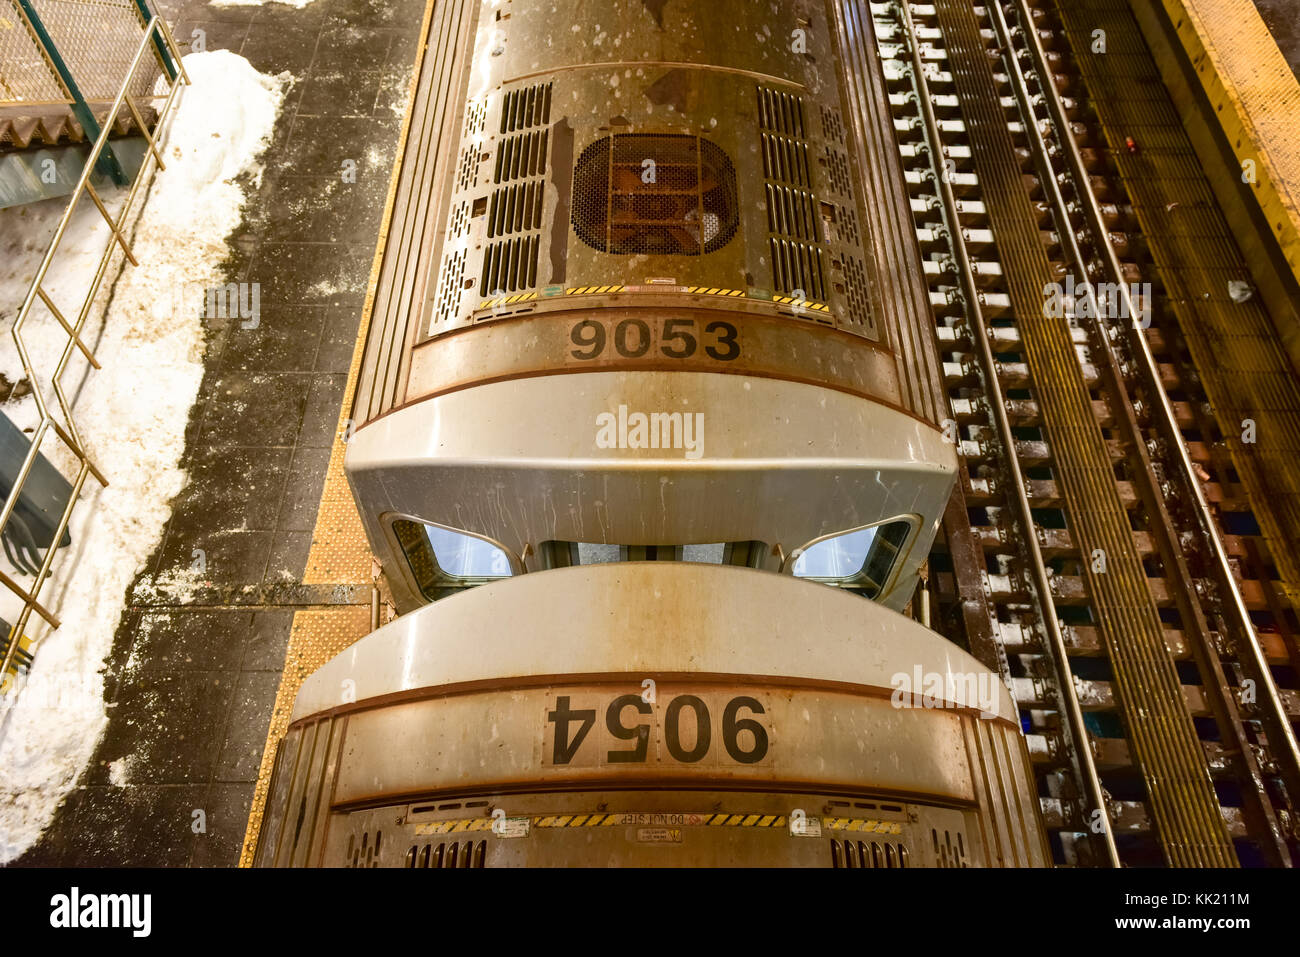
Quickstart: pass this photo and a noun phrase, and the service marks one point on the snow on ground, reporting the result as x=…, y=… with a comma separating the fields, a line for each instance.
x=131, y=414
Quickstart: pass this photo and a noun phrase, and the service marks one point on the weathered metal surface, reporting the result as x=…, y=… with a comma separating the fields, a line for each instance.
x=429, y=711
x=526, y=461
x=417, y=209
x=556, y=737
x=684, y=147
x=669, y=337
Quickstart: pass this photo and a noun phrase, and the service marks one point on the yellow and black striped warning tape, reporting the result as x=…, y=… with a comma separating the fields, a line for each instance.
x=714, y=291
x=507, y=300
x=859, y=825
x=592, y=290
x=805, y=303
x=686, y=290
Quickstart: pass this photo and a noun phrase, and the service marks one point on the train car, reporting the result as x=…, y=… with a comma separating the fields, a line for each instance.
x=642, y=482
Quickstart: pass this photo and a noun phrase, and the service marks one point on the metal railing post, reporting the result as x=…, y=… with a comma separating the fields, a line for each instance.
x=109, y=165
x=159, y=44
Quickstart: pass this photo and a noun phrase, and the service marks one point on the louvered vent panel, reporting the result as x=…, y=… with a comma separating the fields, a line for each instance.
x=837, y=168
x=449, y=286
x=458, y=225
x=364, y=852
x=467, y=171
x=950, y=852
x=855, y=278
x=847, y=222
x=832, y=125
x=516, y=209
x=476, y=119
x=459, y=854
x=526, y=107
x=510, y=265
x=840, y=205
x=514, y=214
x=869, y=854
x=795, y=241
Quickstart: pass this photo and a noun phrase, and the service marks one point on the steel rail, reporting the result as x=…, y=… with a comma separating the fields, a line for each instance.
x=1167, y=419
x=1206, y=826
x=997, y=405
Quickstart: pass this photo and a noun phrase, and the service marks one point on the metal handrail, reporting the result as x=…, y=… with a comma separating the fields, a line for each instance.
x=155, y=27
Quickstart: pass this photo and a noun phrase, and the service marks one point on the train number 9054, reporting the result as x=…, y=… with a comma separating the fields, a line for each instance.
x=671, y=338
x=688, y=729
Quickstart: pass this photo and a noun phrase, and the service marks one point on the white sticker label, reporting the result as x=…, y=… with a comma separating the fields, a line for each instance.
x=511, y=826
x=659, y=835
x=805, y=826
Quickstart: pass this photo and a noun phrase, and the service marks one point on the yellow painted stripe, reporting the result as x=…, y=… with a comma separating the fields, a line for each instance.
x=608, y=820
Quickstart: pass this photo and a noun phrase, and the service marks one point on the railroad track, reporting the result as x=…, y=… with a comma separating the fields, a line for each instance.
x=1134, y=606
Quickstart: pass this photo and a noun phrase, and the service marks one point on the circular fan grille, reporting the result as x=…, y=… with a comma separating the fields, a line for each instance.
x=656, y=194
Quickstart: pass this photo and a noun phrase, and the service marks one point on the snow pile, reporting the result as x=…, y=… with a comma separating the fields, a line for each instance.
x=132, y=416
x=25, y=234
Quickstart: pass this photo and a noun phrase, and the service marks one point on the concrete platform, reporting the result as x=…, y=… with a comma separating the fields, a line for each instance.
x=193, y=680
x=1252, y=86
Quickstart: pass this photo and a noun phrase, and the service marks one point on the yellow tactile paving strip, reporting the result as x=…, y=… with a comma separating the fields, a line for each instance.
x=339, y=553
x=1256, y=98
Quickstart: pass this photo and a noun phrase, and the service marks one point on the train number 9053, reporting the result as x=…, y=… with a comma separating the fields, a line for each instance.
x=672, y=338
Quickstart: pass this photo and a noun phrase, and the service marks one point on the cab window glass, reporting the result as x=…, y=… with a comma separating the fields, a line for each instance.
x=861, y=560
x=442, y=559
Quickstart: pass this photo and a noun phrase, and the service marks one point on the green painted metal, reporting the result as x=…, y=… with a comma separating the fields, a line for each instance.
x=164, y=56
x=31, y=175
x=107, y=164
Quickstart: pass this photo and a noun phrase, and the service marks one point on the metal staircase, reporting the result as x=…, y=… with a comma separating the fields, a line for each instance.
x=61, y=64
